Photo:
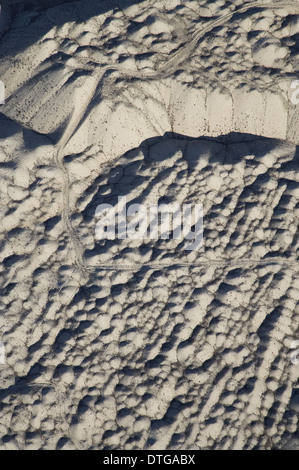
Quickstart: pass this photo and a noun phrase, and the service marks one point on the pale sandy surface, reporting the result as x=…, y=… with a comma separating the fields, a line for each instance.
x=125, y=344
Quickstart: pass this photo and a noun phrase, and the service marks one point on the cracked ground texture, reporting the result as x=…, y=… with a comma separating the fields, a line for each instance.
x=136, y=344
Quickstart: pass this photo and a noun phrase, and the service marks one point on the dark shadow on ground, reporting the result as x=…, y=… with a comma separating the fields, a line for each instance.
x=66, y=11
x=131, y=176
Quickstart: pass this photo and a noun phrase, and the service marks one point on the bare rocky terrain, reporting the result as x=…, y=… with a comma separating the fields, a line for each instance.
x=137, y=344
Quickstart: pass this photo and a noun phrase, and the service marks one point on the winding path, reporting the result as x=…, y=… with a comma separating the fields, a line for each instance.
x=98, y=78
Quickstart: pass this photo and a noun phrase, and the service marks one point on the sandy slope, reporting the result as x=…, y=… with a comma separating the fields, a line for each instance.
x=128, y=344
